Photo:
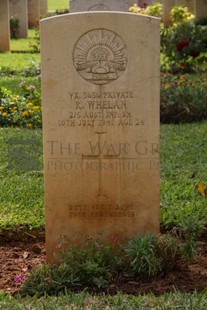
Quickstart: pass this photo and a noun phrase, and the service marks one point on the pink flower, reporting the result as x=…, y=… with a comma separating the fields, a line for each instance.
x=19, y=278
x=42, y=259
x=31, y=86
x=21, y=83
x=58, y=246
x=114, y=240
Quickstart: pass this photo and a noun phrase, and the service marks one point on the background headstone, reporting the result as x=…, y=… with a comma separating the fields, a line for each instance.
x=33, y=13
x=149, y=2
x=201, y=8
x=167, y=7
x=100, y=5
x=43, y=7
x=100, y=90
x=4, y=26
x=190, y=4
x=18, y=9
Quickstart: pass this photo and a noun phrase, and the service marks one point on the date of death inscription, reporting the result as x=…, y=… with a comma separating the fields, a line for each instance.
x=89, y=109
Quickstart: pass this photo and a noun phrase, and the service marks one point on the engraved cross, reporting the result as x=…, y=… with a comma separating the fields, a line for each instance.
x=100, y=156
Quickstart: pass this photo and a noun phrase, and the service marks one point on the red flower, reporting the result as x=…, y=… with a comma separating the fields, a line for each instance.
x=194, y=54
x=144, y=5
x=181, y=45
x=181, y=66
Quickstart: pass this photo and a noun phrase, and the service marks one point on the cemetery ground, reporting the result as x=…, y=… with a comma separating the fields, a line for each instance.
x=183, y=208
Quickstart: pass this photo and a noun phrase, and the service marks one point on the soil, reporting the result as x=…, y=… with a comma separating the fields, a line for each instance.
x=19, y=256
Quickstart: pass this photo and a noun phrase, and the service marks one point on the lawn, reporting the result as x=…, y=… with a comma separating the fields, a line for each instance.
x=182, y=168
x=57, y=4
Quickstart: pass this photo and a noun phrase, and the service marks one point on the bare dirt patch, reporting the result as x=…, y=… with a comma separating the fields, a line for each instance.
x=18, y=257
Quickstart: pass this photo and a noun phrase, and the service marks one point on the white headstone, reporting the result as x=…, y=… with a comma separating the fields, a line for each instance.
x=201, y=8
x=33, y=13
x=18, y=10
x=43, y=7
x=100, y=5
x=100, y=90
x=4, y=26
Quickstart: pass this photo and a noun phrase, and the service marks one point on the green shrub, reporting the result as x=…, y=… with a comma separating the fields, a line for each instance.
x=92, y=263
x=182, y=99
x=14, y=27
x=22, y=110
x=95, y=263
x=141, y=251
x=35, y=45
x=181, y=45
x=180, y=14
x=151, y=10
x=169, y=251
x=49, y=279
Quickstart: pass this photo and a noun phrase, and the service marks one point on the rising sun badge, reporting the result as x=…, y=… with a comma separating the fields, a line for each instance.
x=100, y=56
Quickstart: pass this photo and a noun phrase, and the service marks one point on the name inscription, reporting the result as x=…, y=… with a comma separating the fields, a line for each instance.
x=90, y=109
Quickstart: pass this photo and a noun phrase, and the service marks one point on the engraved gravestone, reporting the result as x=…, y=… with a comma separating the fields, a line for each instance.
x=100, y=5
x=18, y=10
x=4, y=26
x=100, y=90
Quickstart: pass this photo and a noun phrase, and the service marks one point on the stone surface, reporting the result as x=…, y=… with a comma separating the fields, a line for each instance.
x=4, y=26
x=18, y=9
x=43, y=7
x=201, y=8
x=100, y=90
x=100, y=5
x=167, y=7
x=190, y=4
x=149, y=2
x=33, y=13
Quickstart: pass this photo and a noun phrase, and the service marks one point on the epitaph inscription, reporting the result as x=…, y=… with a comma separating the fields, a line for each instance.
x=100, y=56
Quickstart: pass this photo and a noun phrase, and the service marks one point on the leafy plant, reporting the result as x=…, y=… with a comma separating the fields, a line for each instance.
x=182, y=99
x=14, y=27
x=90, y=264
x=169, y=251
x=49, y=279
x=35, y=43
x=141, y=251
x=20, y=110
x=180, y=14
x=181, y=45
x=152, y=10
x=94, y=260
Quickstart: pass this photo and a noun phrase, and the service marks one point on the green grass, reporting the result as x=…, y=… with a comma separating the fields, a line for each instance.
x=57, y=4
x=24, y=44
x=13, y=82
x=14, y=61
x=21, y=191
x=183, y=164
x=70, y=301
